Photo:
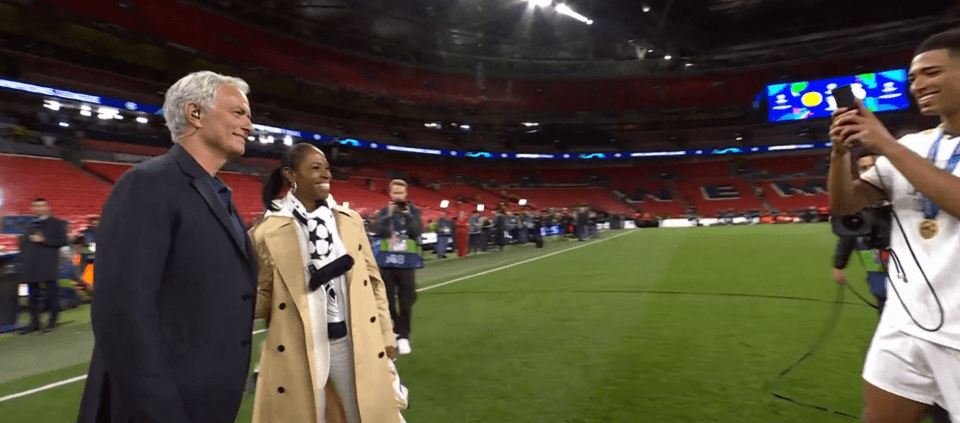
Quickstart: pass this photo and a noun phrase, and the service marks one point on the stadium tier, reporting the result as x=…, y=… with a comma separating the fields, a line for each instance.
x=796, y=194
x=598, y=198
x=72, y=194
x=712, y=195
x=708, y=187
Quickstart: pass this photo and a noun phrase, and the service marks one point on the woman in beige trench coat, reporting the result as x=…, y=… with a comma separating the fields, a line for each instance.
x=298, y=372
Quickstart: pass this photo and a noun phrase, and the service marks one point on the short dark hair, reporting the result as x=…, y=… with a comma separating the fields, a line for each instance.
x=947, y=40
x=39, y=199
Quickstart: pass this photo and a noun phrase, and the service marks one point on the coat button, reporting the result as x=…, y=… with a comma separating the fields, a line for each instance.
x=283, y=306
x=280, y=389
x=360, y=247
x=373, y=319
x=364, y=283
x=280, y=348
x=380, y=355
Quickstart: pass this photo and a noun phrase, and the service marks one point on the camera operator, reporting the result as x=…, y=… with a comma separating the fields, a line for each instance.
x=874, y=259
x=399, y=227
x=912, y=363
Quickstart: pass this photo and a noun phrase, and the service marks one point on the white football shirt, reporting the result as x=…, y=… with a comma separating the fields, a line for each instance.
x=938, y=257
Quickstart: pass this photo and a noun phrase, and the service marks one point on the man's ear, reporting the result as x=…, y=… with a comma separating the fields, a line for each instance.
x=193, y=113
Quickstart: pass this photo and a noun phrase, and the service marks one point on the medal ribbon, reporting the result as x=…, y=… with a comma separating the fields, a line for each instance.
x=930, y=208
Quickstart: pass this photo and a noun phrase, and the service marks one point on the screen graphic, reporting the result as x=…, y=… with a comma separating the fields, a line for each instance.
x=880, y=92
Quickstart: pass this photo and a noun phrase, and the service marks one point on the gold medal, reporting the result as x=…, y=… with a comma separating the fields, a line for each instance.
x=929, y=228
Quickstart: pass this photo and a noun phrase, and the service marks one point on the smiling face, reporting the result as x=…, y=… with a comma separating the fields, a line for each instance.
x=935, y=82
x=226, y=126
x=312, y=176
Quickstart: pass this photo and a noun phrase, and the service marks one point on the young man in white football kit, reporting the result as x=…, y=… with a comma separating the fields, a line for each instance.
x=914, y=358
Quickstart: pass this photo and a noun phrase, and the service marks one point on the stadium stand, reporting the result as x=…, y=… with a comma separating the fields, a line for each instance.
x=719, y=194
x=73, y=195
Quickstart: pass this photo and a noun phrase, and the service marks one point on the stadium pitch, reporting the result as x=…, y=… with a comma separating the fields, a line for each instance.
x=653, y=325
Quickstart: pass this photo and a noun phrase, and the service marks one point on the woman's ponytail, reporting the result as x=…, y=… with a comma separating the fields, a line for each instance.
x=272, y=188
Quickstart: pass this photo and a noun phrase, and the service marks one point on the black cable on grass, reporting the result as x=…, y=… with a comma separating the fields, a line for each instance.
x=829, y=327
x=832, y=322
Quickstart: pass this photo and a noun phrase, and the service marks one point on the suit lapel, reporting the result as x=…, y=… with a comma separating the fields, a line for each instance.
x=199, y=177
x=221, y=212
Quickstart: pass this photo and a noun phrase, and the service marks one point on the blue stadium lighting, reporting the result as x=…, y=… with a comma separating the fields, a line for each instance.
x=75, y=96
x=109, y=108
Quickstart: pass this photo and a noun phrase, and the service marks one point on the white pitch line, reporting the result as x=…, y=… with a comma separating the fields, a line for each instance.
x=258, y=331
x=66, y=382
x=520, y=262
x=43, y=388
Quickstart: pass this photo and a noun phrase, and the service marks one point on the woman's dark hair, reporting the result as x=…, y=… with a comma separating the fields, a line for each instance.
x=290, y=157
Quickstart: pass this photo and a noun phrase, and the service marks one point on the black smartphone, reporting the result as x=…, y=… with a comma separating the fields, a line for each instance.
x=845, y=97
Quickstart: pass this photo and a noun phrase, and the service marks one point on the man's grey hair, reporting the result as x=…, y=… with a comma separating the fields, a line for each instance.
x=198, y=87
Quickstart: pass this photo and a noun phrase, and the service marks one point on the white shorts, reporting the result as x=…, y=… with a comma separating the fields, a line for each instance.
x=914, y=369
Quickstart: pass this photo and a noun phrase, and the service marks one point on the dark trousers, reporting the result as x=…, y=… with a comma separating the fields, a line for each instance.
x=51, y=290
x=442, y=242
x=474, y=242
x=401, y=287
x=939, y=414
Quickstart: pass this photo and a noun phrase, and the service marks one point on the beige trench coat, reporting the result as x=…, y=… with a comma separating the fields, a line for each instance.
x=282, y=301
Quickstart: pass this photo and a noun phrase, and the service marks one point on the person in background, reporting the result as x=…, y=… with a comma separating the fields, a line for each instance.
x=39, y=267
x=486, y=227
x=463, y=234
x=526, y=226
x=500, y=229
x=580, y=224
x=474, y=227
x=327, y=354
x=85, y=247
x=513, y=225
x=89, y=235
x=445, y=234
x=400, y=227
x=176, y=275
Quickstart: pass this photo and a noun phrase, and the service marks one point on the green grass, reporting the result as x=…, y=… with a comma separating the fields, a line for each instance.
x=671, y=325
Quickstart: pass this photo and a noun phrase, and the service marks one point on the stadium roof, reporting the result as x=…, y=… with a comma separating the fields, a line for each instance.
x=602, y=38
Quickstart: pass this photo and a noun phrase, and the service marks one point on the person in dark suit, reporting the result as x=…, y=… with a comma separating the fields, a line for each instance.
x=176, y=273
x=40, y=246
x=499, y=228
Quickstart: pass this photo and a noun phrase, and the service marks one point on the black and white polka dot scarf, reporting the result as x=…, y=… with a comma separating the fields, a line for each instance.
x=328, y=259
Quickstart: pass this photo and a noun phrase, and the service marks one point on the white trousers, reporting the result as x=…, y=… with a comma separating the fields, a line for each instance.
x=343, y=378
